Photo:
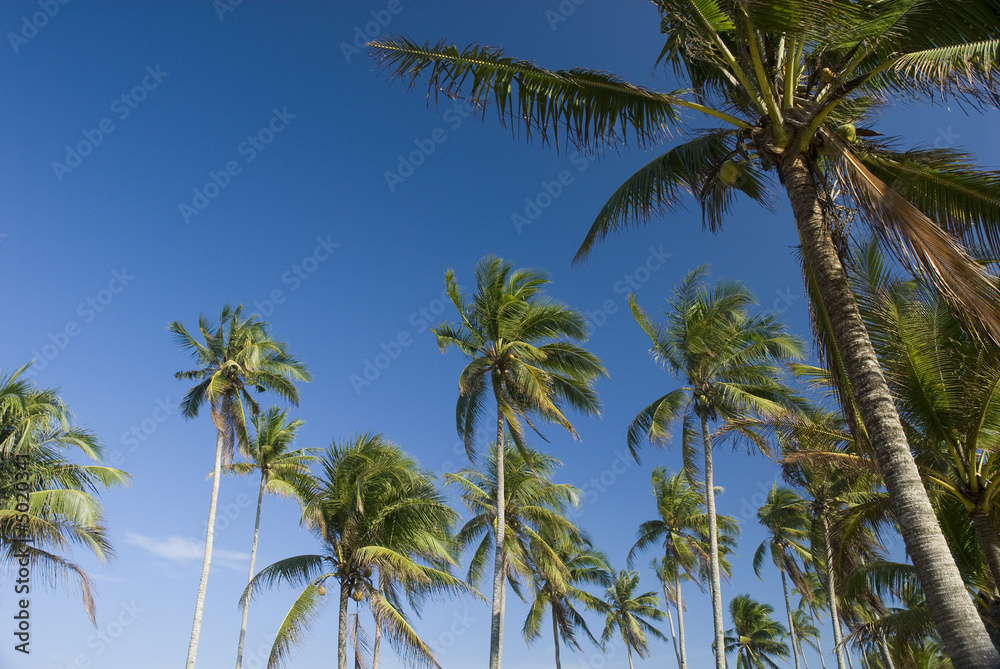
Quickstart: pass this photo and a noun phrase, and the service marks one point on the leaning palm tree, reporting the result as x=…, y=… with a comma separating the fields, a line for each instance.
x=48, y=503
x=682, y=529
x=386, y=533
x=784, y=516
x=792, y=88
x=629, y=614
x=730, y=361
x=521, y=350
x=755, y=637
x=282, y=472
x=236, y=356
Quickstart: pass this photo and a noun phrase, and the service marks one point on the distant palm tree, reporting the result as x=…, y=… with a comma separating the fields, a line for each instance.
x=47, y=501
x=521, y=351
x=237, y=355
x=282, y=472
x=385, y=528
x=806, y=633
x=730, y=361
x=755, y=637
x=629, y=614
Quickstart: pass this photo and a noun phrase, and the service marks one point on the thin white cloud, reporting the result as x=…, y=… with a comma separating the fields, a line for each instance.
x=182, y=549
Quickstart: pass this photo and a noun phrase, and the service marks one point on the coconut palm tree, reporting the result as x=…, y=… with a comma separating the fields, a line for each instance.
x=792, y=88
x=783, y=515
x=520, y=345
x=386, y=534
x=48, y=503
x=682, y=530
x=806, y=633
x=729, y=359
x=630, y=615
x=282, y=471
x=559, y=592
x=236, y=356
x=756, y=637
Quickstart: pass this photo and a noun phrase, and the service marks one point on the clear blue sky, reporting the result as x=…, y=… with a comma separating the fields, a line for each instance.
x=163, y=159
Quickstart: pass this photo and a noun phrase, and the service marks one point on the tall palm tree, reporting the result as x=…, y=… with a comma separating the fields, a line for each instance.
x=282, y=472
x=783, y=515
x=559, y=592
x=385, y=530
x=630, y=614
x=788, y=84
x=48, y=503
x=682, y=530
x=806, y=633
x=520, y=346
x=236, y=356
x=755, y=637
x=729, y=359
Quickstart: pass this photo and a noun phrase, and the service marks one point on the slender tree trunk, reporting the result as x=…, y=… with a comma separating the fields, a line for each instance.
x=670, y=620
x=680, y=615
x=628, y=649
x=345, y=596
x=555, y=637
x=199, y=607
x=986, y=532
x=831, y=592
x=253, y=558
x=803, y=655
x=499, y=572
x=886, y=654
x=819, y=642
x=713, y=540
x=791, y=622
x=963, y=632
x=847, y=654
x=378, y=642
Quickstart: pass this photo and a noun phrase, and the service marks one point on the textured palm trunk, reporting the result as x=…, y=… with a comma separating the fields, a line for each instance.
x=886, y=654
x=555, y=637
x=990, y=541
x=628, y=649
x=682, y=657
x=850, y=662
x=713, y=541
x=670, y=621
x=496, y=620
x=253, y=559
x=199, y=607
x=345, y=596
x=791, y=622
x=831, y=593
x=819, y=643
x=378, y=642
x=964, y=635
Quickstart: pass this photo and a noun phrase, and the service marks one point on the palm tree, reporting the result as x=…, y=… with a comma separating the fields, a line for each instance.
x=630, y=614
x=682, y=530
x=755, y=637
x=783, y=515
x=788, y=84
x=517, y=340
x=729, y=359
x=559, y=593
x=47, y=502
x=282, y=472
x=806, y=632
x=386, y=533
x=237, y=355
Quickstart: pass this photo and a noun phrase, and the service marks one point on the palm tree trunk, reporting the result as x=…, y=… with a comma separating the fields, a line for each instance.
x=682, y=661
x=831, y=592
x=555, y=637
x=713, y=540
x=670, y=621
x=819, y=642
x=885, y=653
x=847, y=653
x=345, y=596
x=990, y=541
x=199, y=607
x=253, y=558
x=791, y=623
x=628, y=649
x=378, y=642
x=496, y=620
x=803, y=655
x=963, y=632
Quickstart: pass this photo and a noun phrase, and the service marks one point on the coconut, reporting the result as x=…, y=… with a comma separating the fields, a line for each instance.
x=730, y=172
x=322, y=590
x=356, y=595
x=848, y=132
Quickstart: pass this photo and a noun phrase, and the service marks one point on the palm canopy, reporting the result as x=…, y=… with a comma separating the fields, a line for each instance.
x=386, y=534
x=284, y=472
x=784, y=515
x=629, y=614
x=520, y=345
x=37, y=435
x=756, y=637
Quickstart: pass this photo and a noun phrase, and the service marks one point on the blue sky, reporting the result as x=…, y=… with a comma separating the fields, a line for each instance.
x=163, y=159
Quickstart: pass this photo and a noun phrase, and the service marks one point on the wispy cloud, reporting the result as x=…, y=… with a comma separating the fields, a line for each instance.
x=183, y=549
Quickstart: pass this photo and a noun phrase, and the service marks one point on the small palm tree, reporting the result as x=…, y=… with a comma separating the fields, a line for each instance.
x=237, y=355
x=806, y=633
x=630, y=614
x=756, y=637
x=283, y=472
x=521, y=351
x=385, y=530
